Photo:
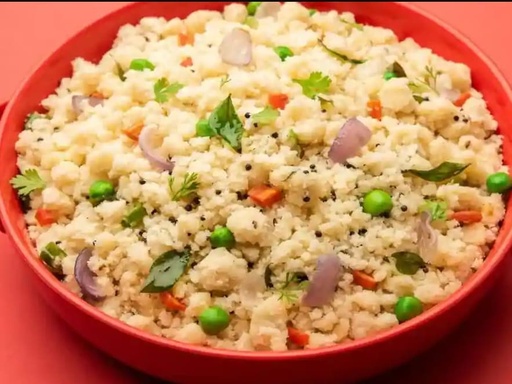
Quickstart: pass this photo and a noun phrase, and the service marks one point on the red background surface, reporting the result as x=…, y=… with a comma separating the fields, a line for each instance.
x=36, y=347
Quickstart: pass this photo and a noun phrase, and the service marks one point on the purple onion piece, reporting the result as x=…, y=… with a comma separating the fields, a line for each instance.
x=427, y=237
x=77, y=100
x=324, y=281
x=149, y=152
x=352, y=136
x=85, y=277
x=268, y=9
x=236, y=47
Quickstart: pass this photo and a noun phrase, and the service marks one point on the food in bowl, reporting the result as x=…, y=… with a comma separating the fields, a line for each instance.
x=266, y=178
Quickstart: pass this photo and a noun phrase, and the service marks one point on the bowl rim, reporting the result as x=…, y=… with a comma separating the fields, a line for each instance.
x=483, y=273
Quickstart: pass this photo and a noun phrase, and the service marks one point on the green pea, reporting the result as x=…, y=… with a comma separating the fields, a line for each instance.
x=141, y=64
x=377, y=202
x=134, y=217
x=312, y=12
x=101, y=190
x=283, y=52
x=252, y=7
x=203, y=129
x=389, y=75
x=222, y=237
x=498, y=182
x=408, y=307
x=213, y=320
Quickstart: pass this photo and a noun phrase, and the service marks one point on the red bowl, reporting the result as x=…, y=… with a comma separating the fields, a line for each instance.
x=184, y=363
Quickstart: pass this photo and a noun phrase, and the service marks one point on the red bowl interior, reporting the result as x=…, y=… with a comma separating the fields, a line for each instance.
x=405, y=21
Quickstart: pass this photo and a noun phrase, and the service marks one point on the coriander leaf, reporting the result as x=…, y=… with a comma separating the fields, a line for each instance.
x=267, y=116
x=27, y=182
x=437, y=209
x=141, y=65
x=165, y=271
x=268, y=277
x=295, y=144
x=225, y=121
x=357, y=26
x=339, y=56
x=163, y=89
x=51, y=255
x=398, y=70
x=408, y=263
x=30, y=119
x=440, y=173
x=224, y=80
x=188, y=187
x=426, y=84
x=316, y=83
x=294, y=282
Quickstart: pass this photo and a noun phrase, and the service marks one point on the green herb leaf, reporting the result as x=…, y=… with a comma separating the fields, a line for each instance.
x=252, y=22
x=226, y=123
x=426, y=84
x=316, y=83
x=418, y=98
x=295, y=144
x=408, y=263
x=27, y=182
x=267, y=116
x=30, y=119
x=165, y=271
x=120, y=72
x=295, y=281
x=134, y=217
x=398, y=70
x=357, y=26
x=203, y=129
x=440, y=173
x=268, y=277
x=163, y=89
x=224, y=80
x=51, y=255
x=141, y=65
x=312, y=11
x=437, y=209
x=339, y=56
x=188, y=187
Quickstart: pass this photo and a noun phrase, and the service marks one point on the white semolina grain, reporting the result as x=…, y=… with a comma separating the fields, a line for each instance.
x=320, y=209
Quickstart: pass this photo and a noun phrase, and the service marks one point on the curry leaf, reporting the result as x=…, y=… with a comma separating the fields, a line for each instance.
x=340, y=56
x=443, y=172
x=408, y=263
x=165, y=271
x=398, y=70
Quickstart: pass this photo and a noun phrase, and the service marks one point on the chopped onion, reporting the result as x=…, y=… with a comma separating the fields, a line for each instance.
x=450, y=94
x=76, y=102
x=270, y=9
x=236, y=48
x=85, y=277
x=352, y=136
x=149, y=151
x=427, y=238
x=250, y=287
x=324, y=281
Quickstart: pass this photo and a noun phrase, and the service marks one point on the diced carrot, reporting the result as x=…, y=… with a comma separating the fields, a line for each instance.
x=187, y=62
x=297, y=337
x=375, y=108
x=97, y=95
x=462, y=99
x=264, y=196
x=185, y=39
x=133, y=132
x=278, y=100
x=171, y=302
x=467, y=217
x=364, y=280
x=45, y=217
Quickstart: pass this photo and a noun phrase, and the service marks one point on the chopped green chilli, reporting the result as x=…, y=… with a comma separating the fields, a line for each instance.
x=267, y=116
x=52, y=256
x=283, y=52
x=134, y=217
x=444, y=171
x=165, y=271
x=141, y=65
